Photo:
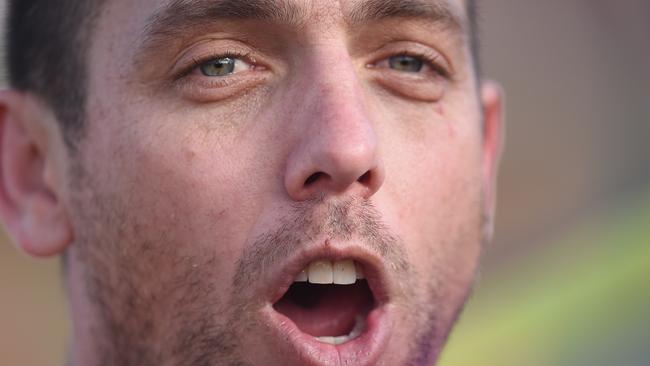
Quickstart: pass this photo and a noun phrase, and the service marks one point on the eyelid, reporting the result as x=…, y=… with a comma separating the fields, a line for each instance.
x=186, y=78
x=211, y=49
x=432, y=58
x=195, y=62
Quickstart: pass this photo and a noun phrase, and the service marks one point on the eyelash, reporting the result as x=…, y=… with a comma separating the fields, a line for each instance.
x=430, y=58
x=198, y=62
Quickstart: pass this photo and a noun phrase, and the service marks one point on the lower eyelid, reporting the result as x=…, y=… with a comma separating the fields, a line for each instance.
x=207, y=89
x=419, y=90
x=212, y=81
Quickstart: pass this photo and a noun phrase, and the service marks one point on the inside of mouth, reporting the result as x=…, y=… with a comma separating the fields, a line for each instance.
x=326, y=310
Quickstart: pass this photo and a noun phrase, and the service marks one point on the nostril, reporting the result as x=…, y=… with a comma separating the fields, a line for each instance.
x=313, y=178
x=365, y=178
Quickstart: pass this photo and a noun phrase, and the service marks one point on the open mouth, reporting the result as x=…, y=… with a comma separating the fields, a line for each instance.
x=329, y=300
x=330, y=305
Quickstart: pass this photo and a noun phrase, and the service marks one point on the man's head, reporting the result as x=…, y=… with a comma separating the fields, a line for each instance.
x=197, y=159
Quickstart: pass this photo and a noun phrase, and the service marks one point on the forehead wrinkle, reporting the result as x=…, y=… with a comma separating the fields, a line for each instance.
x=436, y=11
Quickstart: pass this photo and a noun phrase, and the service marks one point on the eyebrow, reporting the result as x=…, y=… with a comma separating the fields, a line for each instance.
x=180, y=15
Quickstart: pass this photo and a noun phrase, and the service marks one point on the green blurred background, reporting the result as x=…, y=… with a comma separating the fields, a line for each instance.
x=567, y=279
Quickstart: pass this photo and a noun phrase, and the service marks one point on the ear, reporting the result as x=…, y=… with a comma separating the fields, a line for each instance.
x=30, y=204
x=493, y=137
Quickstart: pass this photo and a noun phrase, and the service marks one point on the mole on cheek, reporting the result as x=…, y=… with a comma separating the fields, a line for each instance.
x=190, y=155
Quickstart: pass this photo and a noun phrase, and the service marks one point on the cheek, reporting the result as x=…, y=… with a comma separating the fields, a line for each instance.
x=434, y=188
x=190, y=177
x=197, y=194
x=181, y=202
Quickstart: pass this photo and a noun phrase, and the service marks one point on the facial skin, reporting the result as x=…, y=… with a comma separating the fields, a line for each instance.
x=192, y=198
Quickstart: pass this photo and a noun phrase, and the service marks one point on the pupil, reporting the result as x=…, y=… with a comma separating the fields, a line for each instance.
x=219, y=67
x=406, y=63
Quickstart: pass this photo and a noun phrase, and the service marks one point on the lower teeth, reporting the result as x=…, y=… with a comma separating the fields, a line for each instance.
x=359, y=327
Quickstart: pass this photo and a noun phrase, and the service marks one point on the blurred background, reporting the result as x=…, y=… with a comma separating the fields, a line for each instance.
x=567, y=279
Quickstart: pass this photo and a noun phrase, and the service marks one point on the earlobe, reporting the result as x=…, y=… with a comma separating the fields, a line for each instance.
x=493, y=137
x=30, y=207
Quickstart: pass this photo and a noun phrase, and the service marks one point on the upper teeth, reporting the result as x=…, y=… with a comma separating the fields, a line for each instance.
x=343, y=272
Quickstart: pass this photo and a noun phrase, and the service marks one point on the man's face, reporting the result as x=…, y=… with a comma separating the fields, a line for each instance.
x=230, y=146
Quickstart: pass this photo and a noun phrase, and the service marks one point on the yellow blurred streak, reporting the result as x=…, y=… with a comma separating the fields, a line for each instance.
x=557, y=307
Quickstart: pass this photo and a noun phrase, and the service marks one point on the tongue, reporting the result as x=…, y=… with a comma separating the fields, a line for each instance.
x=325, y=310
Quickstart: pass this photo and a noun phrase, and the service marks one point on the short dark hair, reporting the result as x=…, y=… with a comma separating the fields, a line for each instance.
x=47, y=46
x=47, y=43
x=474, y=27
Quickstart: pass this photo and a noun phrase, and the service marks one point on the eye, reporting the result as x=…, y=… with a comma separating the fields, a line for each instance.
x=423, y=63
x=405, y=63
x=416, y=73
x=222, y=66
x=215, y=70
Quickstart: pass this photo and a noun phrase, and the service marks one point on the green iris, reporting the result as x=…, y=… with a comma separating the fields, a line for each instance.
x=405, y=63
x=218, y=67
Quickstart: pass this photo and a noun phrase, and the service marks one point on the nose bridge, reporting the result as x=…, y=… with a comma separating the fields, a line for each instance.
x=338, y=109
x=338, y=145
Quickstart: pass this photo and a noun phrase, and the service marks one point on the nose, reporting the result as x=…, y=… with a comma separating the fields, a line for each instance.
x=336, y=152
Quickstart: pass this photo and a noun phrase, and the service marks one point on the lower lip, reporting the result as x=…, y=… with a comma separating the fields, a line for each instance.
x=363, y=350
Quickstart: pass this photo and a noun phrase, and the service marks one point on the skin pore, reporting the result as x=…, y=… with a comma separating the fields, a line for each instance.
x=223, y=138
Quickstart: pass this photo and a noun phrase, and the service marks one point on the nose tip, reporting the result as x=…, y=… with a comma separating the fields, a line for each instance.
x=341, y=173
x=337, y=156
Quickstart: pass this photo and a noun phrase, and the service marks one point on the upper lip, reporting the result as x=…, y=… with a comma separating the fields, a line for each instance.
x=374, y=270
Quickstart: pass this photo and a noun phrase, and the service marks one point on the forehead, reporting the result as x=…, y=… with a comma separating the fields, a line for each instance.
x=149, y=16
x=128, y=28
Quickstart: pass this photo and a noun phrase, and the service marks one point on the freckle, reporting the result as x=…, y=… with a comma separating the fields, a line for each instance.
x=190, y=155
